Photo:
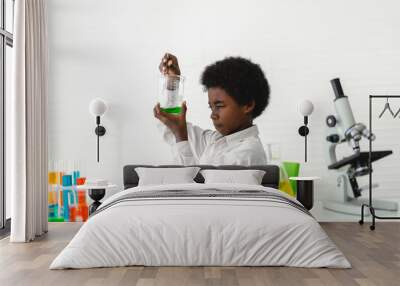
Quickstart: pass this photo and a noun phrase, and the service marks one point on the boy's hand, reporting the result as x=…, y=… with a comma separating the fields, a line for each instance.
x=169, y=65
x=175, y=122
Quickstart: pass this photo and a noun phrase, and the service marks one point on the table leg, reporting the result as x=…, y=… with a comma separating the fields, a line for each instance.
x=305, y=193
x=96, y=195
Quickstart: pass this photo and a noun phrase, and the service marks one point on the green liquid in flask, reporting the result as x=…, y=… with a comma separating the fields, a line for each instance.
x=176, y=109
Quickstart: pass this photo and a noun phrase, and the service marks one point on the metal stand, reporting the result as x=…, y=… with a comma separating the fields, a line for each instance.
x=369, y=205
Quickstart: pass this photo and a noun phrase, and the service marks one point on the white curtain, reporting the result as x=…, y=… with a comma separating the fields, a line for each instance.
x=28, y=122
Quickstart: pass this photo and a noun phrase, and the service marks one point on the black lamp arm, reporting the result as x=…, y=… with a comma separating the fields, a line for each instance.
x=100, y=131
x=303, y=131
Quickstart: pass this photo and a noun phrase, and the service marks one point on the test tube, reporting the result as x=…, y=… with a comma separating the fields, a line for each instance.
x=66, y=189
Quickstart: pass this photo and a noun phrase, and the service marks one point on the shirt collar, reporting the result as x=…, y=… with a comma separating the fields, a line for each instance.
x=251, y=131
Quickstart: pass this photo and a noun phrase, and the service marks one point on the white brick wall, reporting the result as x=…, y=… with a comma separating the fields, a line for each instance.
x=111, y=49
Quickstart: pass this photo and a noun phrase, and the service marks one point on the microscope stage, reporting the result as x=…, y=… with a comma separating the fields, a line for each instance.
x=361, y=157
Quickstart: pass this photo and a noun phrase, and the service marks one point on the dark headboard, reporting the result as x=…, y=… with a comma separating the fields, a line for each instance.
x=270, y=179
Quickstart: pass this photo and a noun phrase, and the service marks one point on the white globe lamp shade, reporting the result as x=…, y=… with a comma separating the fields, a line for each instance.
x=306, y=107
x=97, y=107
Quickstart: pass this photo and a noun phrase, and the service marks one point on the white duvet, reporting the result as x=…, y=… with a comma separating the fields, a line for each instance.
x=199, y=231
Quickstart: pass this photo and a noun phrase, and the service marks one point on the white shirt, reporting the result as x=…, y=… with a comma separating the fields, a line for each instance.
x=208, y=147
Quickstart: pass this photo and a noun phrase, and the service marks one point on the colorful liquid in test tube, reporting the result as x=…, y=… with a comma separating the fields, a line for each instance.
x=83, y=210
x=52, y=195
x=54, y=198
x=66, y=191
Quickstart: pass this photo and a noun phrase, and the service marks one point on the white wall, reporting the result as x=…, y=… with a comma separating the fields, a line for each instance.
x=111, y=49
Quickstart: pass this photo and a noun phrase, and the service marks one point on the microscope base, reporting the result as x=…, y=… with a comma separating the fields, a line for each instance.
x=380, y=204
x=353, y=206
x=344, y=208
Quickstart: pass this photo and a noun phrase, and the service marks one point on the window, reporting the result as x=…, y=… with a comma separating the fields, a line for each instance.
x=6, y=44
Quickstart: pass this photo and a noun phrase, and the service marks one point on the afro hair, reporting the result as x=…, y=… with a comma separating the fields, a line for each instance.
x=243, y=80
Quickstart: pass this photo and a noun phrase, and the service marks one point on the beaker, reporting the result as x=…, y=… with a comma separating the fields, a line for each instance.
x=170, y=93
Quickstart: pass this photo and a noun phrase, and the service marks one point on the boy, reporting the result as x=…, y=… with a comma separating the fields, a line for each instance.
x=238, y=92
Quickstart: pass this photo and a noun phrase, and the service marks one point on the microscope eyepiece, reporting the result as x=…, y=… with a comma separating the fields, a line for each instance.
x=337, y=88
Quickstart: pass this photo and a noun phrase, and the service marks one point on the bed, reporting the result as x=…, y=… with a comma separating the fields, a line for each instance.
x=201, y=224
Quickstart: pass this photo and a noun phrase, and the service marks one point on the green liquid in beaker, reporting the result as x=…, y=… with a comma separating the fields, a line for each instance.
x=177, y=109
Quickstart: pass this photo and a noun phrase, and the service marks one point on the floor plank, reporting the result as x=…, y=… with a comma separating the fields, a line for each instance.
x=375, y=257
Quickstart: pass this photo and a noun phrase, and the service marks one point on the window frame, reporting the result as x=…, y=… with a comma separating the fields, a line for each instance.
x=6, y=39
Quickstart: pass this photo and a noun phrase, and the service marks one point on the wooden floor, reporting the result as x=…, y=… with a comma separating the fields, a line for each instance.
x=375, y=256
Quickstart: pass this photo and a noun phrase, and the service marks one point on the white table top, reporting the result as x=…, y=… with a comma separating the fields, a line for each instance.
x=93, y=187
x=304, y=178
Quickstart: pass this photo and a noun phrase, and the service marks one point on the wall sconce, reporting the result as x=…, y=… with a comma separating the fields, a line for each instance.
x=97, y=108
x=305, y=108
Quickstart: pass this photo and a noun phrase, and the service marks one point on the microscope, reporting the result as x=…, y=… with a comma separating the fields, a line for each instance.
x=342, y=128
